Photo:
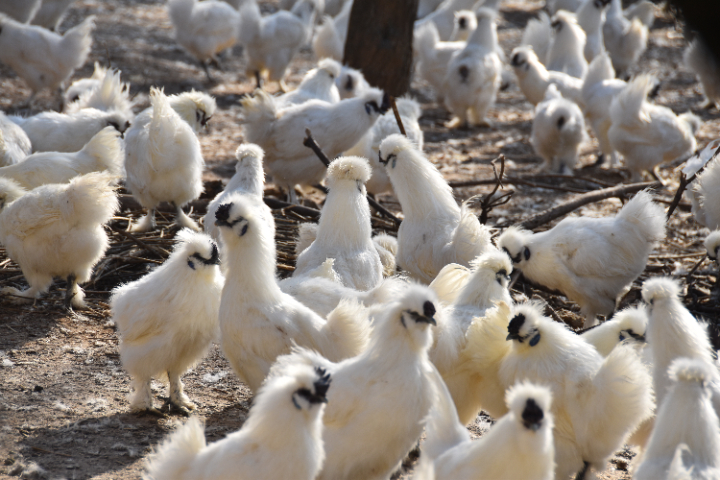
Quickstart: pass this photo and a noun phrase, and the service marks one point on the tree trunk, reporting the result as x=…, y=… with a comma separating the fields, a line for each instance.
x=379, y=42
x=702, y=16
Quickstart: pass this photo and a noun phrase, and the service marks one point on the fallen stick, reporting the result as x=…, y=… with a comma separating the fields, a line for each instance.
x=396, y=112
x=595, y=196
x=137, y=241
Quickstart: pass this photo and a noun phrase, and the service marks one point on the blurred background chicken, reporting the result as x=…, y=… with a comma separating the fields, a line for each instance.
x=103, y=152
x=706, y=195
x=318, y=83
x=14, y=142
x=335, y=127
x=433, y=56
x=646, y=134
x=257, y=320
x=566, y=50
x=344, y=230
x=558, y=130
x=591, y=260
x=625, y=39
x=465, y=24
x=443, y=17
x=44, y=59
x=204, y=28
x=329, y=41
x=163, y=158
x=533, y=78
x=108, y=94
x=590, y=17
x=167, y=319
x=57, y=231
x=21, y=10
x=285, y=422
x=51, y=13
x=700, y=60
x=271, y=42
x=628, y=324
x=351, y=83
x=435, y=230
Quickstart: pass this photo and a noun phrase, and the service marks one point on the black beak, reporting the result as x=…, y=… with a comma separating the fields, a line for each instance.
x=423, y=318
x=513, y=336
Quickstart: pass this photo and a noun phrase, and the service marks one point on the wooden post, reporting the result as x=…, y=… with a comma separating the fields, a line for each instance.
x=379, y=42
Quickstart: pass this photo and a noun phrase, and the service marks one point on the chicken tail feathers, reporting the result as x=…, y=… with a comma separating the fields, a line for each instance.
x=600, y=69
x=627, y=106
x=90, y=199
x=537, y=34
x=174, y=456
x=106, y=148
x=646, y=215
x=347, y=329
x=77, y=41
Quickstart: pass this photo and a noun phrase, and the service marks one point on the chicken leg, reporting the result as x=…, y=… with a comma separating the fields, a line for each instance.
x=178, y=399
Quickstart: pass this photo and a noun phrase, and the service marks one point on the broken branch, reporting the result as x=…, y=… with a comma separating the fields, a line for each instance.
x=397, y=116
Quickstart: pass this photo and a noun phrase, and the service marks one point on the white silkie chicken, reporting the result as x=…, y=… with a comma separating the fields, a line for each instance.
x=597, y=402
x=435, y=230
x=433, y=57
x=519, y=445
x=699, y=59
x=712, y=246
x=51, y=14
x=57, y=231
x=86, y=84
x=249, y=179
x=21, y=10
x=108, y=94
x=567, y=46
x=281, y=438
x=344, y=230
x=537, y=35
x=103, y=152
x=558, y=131
x=706, y=195
x=686, y=439
x=379, y=398
x=329, y=41
x=672, y=333
x=336, y=127
x=628, y=324
x=10, y=191
x=465, y=25
x=625, y=40
x=68, y=132
x=591, y=260
x=590, y=17
x=163, y=158
x=14, y=142
x=257, y=320
x=167, y=319
x=599, y=88
x=351, y=83
x=369, y=145
x=533, y=78
x=444, y=17
x=646, y=134
x=204, y=29
x=271, y=42
x=44, y=59
x=318, y=84
x=474, y=74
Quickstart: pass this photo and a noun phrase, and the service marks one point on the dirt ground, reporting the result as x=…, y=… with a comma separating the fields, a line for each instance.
x=63, y=407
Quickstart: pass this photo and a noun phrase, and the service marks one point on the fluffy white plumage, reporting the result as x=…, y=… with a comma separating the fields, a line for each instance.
x=68, y=132
x=57, y=231
x=599, y=88
x=369, y=145
x=433, y=57
x=590, y=17
x=249, y=179
x=271, y=42
x=344, y=230
x=163, y=158
x=205, y=28
x=281, y=438
x=647, y=134
x=379, y=398
x=257, y=320
x=474, y=74
x=558, y=130
x=14, y=142
x=318, y=84
x=700, y=60
x=336, y=127
x=465, y=24
x=625, y=40
x=534, y=79
x=597, y=402
x=712, y=245
x=51, y=13
x=329, y=41
x=435, y=230
x=706, y=192
x=672, y=332
x=628, y=324
x=591, y=260
x=21, y=10
x=104, y=151
x=444, y=16
x=686, y=439
x=108, y=94
x=168, y=318
x=83, y=85
x=44, y=59
x=537, y=35
x=351, y=83
x=10, y=191
x=567, y=46
x=519, y=445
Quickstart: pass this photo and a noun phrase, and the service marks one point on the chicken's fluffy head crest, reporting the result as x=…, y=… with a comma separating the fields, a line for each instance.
x=410, y=316
x=632, y=323
x=196, y=108
x=525, y=323
x=352, y=169
x=495, y=262
x=522, y=57
x=391, y=147
x=198, y=249
x=514, y=243
x=250, y=156
x=238, y=214
x=530, y=404
x=658, y=289
x=712, y=245
x=331, y=66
